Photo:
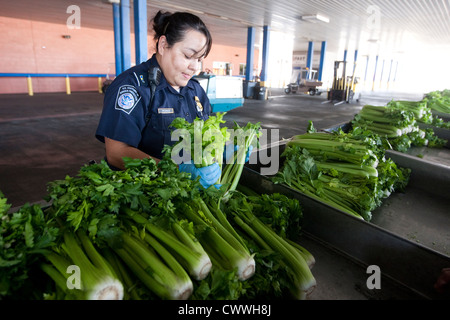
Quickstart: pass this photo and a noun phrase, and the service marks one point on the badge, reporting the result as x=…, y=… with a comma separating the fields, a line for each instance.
x=127, y=98
x=199, y=104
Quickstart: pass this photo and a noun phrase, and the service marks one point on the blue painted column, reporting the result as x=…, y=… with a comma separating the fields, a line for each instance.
x=117, y=38
x=265, y=55
x=309, y=59
x=140, y=30
x=389, y=75
x=323, y=50
x=250, y=53
x=125, y=33
x=395, y=74
x=375, y=73
x=345, y=64
x=367, y=67
x=356, y=61
x=382, y=72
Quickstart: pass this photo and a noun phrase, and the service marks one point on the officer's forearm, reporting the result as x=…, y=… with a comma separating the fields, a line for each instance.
x=116, y=151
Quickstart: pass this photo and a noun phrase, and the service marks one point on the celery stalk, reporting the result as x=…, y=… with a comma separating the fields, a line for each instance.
x=309, y=258
x=97, y=259
x=195, y=260
x=304, y=281
x=96, y=282
x=123, y=274
x=149, y=281
x=166, y=282
x=361, y=170
x=61, y=281
x=230, y=252
x=170, y=261
x=199, y=270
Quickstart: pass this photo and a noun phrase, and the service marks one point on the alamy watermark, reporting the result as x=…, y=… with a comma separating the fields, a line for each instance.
x=373, y=22
x=374, y=280
x=74, y=280
x=74, y=20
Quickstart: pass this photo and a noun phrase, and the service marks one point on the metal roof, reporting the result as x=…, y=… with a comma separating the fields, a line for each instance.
x=370, y=26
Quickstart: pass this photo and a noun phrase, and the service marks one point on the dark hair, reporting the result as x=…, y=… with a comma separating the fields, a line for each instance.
x=175, y=25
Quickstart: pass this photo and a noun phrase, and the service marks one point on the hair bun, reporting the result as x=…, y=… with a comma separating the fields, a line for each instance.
x=160, y=22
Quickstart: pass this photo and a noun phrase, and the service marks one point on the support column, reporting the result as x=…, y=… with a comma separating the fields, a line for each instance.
x=390, y=72
x=382, y=72
x=323, y=49
x=265, y=55
x=375, y=73
x=345, y=63
x=365, y=74
x=309, y=59
x=117, y=39
x=395, y=74
x=356, y=61
x=125, y=33
x=140, y=30
x=250, y=53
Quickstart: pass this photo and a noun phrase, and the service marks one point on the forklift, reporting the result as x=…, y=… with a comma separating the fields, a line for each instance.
x=343, y=88
x=302, y=80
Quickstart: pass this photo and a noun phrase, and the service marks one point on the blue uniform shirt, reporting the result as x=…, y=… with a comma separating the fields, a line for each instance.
x=125, y=107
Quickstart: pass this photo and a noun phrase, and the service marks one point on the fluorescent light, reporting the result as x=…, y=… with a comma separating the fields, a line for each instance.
x=315, y=17
x=323, y=18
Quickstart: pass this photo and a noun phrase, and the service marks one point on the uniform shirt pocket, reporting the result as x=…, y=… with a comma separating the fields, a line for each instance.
x=161, y=123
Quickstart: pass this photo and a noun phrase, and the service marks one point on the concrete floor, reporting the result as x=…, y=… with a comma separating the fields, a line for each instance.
x=50, y=135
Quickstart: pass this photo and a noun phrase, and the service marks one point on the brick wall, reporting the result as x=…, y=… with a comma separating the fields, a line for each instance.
x=30, y=46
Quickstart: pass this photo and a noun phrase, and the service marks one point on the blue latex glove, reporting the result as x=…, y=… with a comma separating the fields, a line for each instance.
x=228, y=153
x=250, y=149
x=208, y=175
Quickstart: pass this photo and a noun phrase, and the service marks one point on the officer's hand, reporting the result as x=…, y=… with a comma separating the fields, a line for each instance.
x=228, y=153
x=208, y=175
x=249, y=152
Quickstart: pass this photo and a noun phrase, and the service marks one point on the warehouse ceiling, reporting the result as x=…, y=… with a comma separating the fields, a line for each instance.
x=370, y=26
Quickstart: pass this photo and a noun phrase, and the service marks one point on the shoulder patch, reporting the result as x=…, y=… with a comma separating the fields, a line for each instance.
x=127, y=98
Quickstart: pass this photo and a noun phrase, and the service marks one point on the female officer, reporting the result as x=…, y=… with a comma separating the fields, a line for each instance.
x=141, y=103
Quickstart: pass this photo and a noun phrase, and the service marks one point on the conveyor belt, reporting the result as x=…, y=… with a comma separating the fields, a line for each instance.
x=399, y=244
x=340, y=277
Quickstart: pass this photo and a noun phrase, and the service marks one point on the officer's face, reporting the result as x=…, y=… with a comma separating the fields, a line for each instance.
x=181, y=61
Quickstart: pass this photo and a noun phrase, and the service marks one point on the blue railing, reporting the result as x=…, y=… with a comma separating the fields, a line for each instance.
x=29, y=76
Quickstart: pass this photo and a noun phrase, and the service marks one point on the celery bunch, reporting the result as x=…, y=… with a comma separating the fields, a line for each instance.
x=438, y=100
x=204, y=141
x=397, y=124
x=146, y=232
x=293, y=258
x=98, y=279
x=243, y=137
x=345, y=171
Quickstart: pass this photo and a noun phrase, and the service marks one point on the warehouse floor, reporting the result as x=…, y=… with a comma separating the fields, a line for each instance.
x=50, y=135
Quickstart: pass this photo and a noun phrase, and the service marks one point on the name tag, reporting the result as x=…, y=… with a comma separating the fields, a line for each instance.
x=165, y=110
